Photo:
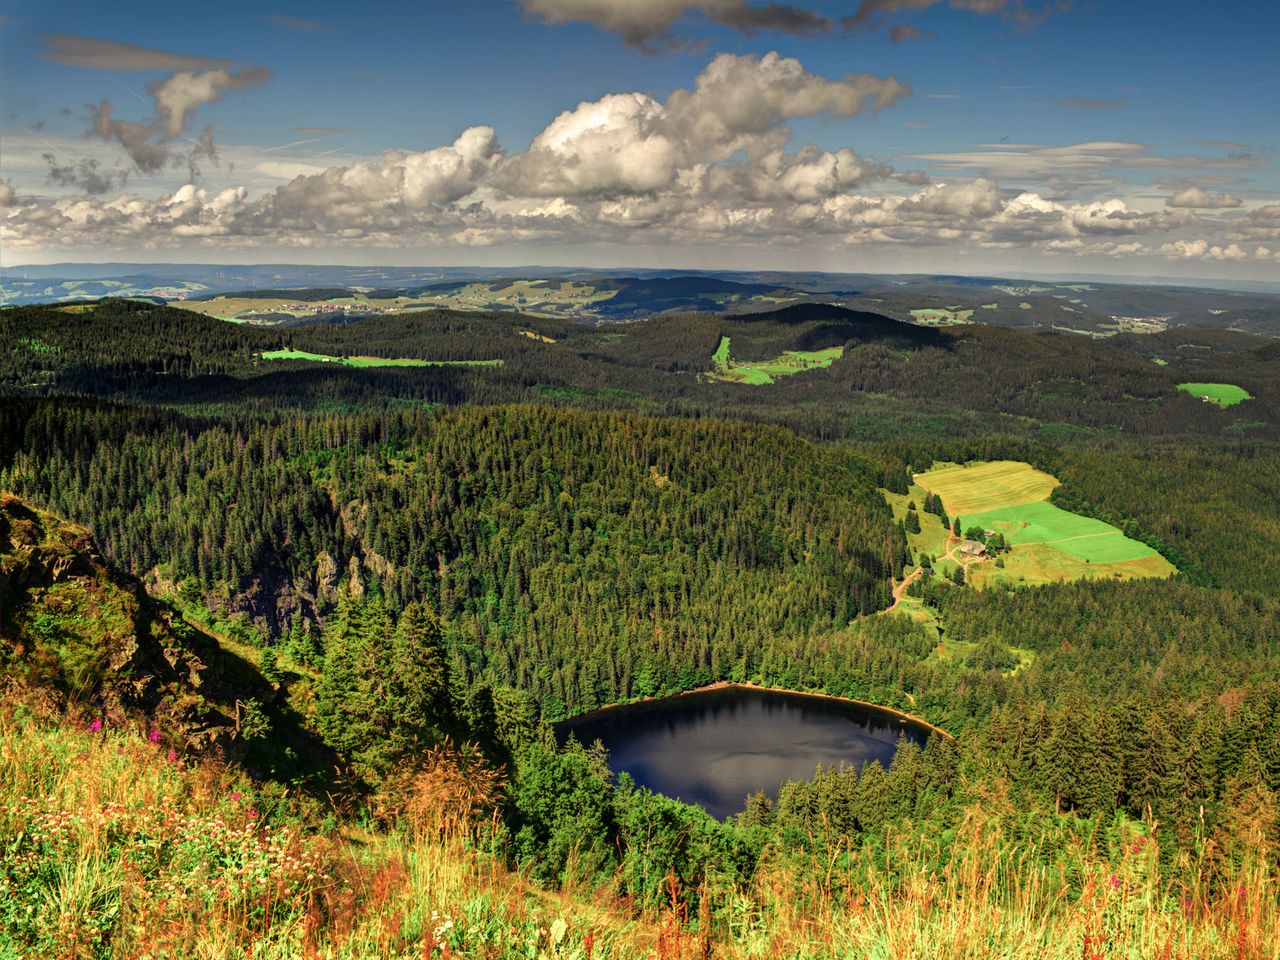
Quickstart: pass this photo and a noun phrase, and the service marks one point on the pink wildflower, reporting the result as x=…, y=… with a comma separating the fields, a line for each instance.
x=96, y=724
x=1115, y=882
x=235, y=796
x=154, y=736
x=173, y=755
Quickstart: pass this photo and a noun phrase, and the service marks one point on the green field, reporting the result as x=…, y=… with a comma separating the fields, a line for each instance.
x=1079, y=536
x=375, y=361
x=1048, y=543
x=721, y=356
x=1223, y=394
x=766, y=371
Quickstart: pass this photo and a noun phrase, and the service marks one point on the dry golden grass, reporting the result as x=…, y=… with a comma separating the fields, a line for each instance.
x=117, y=848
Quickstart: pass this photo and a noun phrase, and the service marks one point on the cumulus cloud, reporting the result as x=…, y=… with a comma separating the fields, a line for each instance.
x=632, y=143
x=710, y=164
x=1201, y=249
x=1198, y=198
x=77, y=51
x=647, y=24
x=1260, y=224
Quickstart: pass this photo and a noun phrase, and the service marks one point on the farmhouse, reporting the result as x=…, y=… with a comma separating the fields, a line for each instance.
x=972, y=549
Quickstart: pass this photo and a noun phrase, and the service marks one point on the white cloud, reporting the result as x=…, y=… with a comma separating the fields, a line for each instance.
x=1202, y=249
x=1198, y=198
x=631, y=143
x=1260, y=224
x=708, y=166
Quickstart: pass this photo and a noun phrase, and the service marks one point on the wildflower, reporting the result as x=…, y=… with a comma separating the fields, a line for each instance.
x=173, y=755
x=235, y=796
x=154, y=736
x=95, y=725
x=1115, y=882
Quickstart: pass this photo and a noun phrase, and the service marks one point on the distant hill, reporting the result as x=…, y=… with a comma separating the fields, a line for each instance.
x=1086, y=307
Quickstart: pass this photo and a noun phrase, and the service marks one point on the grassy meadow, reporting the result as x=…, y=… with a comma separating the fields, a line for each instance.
x=1221, y=394
x=374, y=361
x=763, y=372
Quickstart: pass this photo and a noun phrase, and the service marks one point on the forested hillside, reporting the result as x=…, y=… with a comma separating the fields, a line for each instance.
x=695, y=546
x=961, y=380
x=1145, y=816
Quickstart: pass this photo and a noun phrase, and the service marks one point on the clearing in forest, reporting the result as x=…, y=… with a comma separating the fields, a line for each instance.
x=1047, y=543
x=761, y=372
x=375, y=361
x=939, y=317
x=1222, y=394
x=975, y=487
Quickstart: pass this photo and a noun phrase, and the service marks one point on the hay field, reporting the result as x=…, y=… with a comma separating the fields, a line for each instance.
x=978, y=487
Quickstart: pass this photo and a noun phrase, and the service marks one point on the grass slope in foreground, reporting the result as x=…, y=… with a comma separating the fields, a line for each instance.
x=1048, y=543
x=766, y=371
x=374, y=361
x=1222, y=394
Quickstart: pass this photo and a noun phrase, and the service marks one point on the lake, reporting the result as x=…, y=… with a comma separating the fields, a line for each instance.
x=715, y=747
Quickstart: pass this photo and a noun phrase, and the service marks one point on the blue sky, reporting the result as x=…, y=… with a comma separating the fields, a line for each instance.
x=1121, y=138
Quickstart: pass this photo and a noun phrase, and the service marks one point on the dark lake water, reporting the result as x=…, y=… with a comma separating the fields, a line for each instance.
x=716, y=747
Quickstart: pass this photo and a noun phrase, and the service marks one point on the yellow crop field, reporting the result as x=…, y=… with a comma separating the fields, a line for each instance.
x=978, y=487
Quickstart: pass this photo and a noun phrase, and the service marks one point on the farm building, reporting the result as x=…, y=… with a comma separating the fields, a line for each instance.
x=972, y=548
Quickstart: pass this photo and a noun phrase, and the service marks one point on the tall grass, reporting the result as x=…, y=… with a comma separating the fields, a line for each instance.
x=113, y=846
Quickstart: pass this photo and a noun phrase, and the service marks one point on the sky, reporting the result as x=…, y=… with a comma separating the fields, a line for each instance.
x=1133, y=138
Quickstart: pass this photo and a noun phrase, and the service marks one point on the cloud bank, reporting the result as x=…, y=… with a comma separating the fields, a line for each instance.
x=709, y=165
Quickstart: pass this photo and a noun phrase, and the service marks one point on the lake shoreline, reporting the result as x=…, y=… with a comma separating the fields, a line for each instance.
x=732, y=684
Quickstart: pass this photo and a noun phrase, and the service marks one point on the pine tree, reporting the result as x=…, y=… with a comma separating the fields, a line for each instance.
x=420, y=674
